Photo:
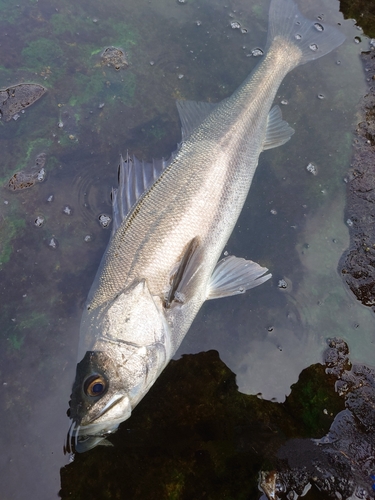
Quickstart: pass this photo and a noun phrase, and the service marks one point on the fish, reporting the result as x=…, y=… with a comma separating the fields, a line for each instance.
x=171, y=221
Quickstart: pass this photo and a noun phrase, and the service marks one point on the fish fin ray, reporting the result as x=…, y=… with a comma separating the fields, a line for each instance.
x=234, y=275
x=286, y=21
x=184, y=272
x=278, y=130
x=135, y=177
x=192, y=114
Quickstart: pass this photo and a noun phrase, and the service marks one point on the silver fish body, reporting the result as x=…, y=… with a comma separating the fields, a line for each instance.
x=161, y=263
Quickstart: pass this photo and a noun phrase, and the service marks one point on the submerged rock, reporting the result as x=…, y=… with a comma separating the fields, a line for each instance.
x=19, y=97
x=30, y=176
x=115, y=57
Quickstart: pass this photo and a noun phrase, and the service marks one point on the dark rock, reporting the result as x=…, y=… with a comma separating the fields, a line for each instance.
x=19, y=97
x=357, y=266
x=28, y=177
x=115, y=57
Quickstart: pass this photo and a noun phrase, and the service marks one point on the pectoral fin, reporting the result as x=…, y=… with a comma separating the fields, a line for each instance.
x=278, y=130
x=186, y=269
x=234, y=275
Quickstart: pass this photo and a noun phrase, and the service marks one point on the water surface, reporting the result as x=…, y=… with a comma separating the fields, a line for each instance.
x=293, y=222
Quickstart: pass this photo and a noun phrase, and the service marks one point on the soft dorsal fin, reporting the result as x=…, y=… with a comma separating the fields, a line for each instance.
x=185, y=270
x=134, y=178
x=234, y=275
x=192, y=114
x=278, y=130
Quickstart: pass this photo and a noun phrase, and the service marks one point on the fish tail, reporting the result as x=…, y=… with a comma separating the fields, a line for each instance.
x=312, y=37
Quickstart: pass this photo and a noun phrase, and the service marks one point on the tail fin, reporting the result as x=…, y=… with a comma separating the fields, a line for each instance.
x=314, y=38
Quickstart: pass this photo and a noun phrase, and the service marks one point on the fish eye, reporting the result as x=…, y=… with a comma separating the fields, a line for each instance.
x=95, y=385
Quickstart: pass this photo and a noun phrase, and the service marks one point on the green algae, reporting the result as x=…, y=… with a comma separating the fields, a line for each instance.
x=43, y=53
x=10, y=227
x=8, y=11
x=15, y=341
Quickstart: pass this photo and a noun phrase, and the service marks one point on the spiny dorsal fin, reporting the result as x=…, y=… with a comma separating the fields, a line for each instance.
x=135, y=177
x=278, y=130
x=192, y=114
x=234, y=275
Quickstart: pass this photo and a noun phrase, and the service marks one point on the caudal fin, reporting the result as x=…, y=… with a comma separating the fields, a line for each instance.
x=314, y=38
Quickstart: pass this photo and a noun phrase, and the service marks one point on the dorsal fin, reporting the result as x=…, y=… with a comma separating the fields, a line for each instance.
x=135, y=177
x=278, y=130
x=192, y=114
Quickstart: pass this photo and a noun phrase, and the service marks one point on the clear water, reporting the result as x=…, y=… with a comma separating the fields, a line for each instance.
x=293, y=221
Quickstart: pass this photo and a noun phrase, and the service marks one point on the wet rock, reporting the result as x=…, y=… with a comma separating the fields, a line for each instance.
x=18, y=97
x=357, y=265
x=203, y=439
x=340, y=464
x=30, y=176
x=363, y=11
x=115, y=57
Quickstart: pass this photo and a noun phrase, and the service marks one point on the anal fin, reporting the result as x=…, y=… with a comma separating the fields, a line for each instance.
x=278, y=130
x=234, y=275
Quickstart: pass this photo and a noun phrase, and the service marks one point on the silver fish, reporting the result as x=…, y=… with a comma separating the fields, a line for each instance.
x=172, y=220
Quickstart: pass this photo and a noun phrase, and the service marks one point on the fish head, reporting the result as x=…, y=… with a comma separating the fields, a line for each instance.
x=132, y=349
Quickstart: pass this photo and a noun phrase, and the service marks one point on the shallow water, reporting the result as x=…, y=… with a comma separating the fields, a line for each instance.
x=293, y=222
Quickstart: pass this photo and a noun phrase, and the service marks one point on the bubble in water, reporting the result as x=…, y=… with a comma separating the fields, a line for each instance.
x=357, y=39
x=87, y=238
x=284, y=102
x=257, y=52
x=235, y=25
x=318, y=27
x=180, y=76
x=198, y=23
x=181, y=1
x=273, y=211
x=50, y=198
x=39, y=221
x=282, y=284
x=312, y=168
x=321, y=96
x=298, y=23
x=243, y=30
x=313, y=46
x=349, y=222
x=298, y=36
x=67, y=210
x=105, y=220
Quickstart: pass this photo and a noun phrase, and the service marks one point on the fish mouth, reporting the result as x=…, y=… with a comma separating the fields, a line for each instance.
x=81, y=438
